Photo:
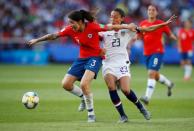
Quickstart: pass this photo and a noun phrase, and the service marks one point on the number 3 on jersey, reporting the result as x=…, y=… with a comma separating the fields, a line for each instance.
x=116, y=42
x=93, y=63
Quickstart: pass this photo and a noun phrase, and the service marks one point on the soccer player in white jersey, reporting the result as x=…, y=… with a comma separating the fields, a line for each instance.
x=116, y=64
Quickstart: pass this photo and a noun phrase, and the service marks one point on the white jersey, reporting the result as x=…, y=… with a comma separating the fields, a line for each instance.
x=115, y=43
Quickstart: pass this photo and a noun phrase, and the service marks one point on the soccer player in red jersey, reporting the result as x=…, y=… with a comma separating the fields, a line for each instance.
x=185, y=41
x=86, y=67
x=153, y=51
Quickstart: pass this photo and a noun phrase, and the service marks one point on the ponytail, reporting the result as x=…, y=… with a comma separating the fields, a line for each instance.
x=81, y=15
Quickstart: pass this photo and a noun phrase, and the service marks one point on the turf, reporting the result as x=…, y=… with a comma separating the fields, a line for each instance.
x=57, y=110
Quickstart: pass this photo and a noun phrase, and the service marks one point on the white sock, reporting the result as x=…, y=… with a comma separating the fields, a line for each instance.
x=188, y=71
x=150, y=87
x=77, y=91
x=89, y=104
x=164, y=80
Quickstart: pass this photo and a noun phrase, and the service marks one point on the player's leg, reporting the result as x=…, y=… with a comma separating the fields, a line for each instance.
x=88, y=96
x=164, y=80
x=153, y=64
x=92, y=67
x=187, y=70
x=125, y=87
x=75, y=73
x=111, y=84
x=187, y=61
x=68, y=84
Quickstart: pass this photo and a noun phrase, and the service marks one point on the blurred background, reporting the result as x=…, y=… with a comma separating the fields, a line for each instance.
x=22, y=20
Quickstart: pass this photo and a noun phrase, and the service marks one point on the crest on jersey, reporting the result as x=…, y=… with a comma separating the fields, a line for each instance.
x=90, y=35
x=122, y=33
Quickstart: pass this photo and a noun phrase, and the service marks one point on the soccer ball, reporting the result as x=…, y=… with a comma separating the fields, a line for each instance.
x=30, y=100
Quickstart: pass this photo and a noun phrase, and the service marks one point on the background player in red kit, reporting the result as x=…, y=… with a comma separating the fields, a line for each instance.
x=185, y=41
x=153, y=51
x=86, y=67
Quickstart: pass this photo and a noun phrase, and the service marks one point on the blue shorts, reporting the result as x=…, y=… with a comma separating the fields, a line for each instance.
x=81, y=64
x=187, y=55
x=154, y=61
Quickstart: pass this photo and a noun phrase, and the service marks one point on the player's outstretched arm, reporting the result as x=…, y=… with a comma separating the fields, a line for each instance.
x=43, y=38
x=155, y=27
x=130, y=26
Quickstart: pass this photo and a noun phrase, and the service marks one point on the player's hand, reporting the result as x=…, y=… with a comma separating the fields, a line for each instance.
x=172, y=18
x=102, y=52
x=32, y=42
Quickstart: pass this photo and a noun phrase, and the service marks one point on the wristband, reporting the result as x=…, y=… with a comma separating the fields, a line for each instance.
x=137, y=29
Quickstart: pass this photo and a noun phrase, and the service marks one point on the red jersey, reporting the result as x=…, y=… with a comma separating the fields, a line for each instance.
x=153, y=40
x=186, y=38
x=88, y=39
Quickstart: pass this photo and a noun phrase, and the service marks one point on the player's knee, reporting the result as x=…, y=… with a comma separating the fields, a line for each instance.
x=67, y=85
x=152, y=74
x=157, y=76
x=125, y=91
x=111, y=87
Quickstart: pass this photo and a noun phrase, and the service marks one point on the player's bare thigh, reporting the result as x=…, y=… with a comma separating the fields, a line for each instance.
x=110, y=80
x=68, y=81
x=125, y=84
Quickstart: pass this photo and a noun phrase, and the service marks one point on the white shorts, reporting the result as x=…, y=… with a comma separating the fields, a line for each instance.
x=117, y=71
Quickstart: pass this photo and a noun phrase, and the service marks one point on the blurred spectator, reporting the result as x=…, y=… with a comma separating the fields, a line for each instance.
x=25, y=19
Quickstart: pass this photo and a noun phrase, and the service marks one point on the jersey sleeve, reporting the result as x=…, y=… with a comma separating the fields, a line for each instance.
x=65, y=31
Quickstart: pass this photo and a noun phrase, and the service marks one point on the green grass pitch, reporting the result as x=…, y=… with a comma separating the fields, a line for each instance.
x=57, y=110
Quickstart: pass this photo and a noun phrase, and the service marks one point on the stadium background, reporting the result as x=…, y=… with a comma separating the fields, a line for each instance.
x=22, y=20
